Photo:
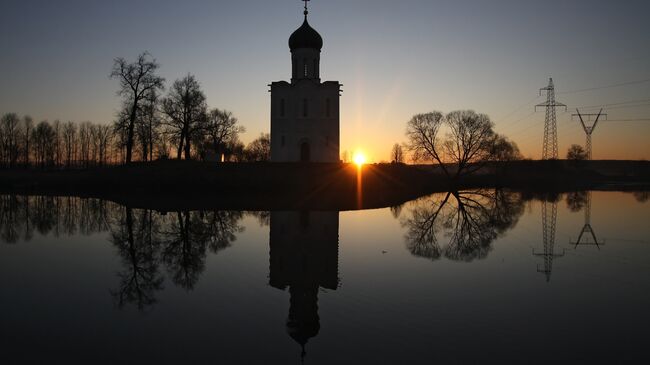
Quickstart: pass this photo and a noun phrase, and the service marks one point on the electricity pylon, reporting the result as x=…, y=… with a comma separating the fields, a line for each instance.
x=587, y=228
x=549, y=149
x=589, y=129
x=549, y=217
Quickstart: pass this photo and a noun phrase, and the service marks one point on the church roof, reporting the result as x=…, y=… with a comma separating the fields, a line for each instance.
x=305, y=37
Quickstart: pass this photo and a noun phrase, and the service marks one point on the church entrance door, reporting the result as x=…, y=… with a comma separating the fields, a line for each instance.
x=305, y=152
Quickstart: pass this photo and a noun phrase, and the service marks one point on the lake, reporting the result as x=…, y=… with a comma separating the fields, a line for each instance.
x=479, y=276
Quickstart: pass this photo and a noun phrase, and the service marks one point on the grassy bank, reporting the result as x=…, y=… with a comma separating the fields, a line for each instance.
x=170, y=185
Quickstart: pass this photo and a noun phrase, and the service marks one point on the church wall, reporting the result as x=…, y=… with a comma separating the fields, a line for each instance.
x=291, y=129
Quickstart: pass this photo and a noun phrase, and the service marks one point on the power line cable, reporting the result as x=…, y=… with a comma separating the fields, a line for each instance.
x=614, y=104
x=606, y=86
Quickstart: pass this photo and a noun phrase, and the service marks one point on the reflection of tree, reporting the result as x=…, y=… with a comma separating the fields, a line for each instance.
x=140, y=277
x=182, y=253
x=470, y=219
x=576, y=201
x=642, y=196
x=21, y=215
x=221, y=227
x=187, y=237
x=144, y=239
x=10, y=220
x=263, y=217
x=396, y=210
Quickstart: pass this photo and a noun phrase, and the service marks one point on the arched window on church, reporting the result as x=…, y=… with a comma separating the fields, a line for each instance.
x=282, y=107
x=304, y=62
x=304, y=108
x=327, y=107
x=282, y=141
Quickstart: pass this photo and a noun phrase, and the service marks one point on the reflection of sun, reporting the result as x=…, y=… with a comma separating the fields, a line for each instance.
x=359, y=158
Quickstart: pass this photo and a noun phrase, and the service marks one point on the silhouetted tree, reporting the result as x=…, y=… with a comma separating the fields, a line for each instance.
x=469, y=142
x=576, y=153
x=137, y=80
x=56, y=128
x=397, y=154
x=9, y=138
x=467, y=145
x=43, y=137
x=221, y=129
x=185, y=109
x=259, y=149
x=101, y=137
x=422, y=133
x=504, y=150
x=148, y=125
x=69, y=143
x=28, y=125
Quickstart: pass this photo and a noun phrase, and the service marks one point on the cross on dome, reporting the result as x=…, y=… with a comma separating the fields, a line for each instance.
x=306, y=10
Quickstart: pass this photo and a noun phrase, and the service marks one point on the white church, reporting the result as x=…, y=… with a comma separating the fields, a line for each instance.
x=305, y=112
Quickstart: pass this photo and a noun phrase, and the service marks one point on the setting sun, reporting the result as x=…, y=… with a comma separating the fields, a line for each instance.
x=359, y=158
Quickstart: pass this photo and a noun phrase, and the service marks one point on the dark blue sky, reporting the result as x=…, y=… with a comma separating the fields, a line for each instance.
x=395, y=58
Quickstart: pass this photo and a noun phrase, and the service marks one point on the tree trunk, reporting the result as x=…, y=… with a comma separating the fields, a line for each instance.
x=187, y=146
x=179, y=151
x=129, y=136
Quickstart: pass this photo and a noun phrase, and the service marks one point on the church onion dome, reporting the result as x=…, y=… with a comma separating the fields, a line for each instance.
x=305, y=37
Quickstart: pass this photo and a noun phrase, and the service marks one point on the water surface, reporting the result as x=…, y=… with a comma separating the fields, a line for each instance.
x=479, y=276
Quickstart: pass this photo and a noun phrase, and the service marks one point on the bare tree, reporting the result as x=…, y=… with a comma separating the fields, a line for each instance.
x=422, y=133
x=397, y=154
x=221, y=129
x=185, y=109
x=136, y=81
x=470, y=140
x=85, y=140
x=43, y=138
x=102, y=135
x=28, y=125
x=467, y=145
x=9, y=138
x=69, y=143
x=259, y=149
x=148, y=125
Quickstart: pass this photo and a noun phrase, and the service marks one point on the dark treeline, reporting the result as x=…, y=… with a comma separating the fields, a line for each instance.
x=150, y=125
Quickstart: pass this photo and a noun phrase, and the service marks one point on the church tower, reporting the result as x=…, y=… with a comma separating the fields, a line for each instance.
x=305, y=112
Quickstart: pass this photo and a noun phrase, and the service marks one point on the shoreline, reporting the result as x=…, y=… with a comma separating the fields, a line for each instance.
x=192, y=185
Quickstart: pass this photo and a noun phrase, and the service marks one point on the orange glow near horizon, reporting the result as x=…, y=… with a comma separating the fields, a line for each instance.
x=359, y=158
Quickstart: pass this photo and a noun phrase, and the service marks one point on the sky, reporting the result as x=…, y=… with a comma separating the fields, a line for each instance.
x=394, y=58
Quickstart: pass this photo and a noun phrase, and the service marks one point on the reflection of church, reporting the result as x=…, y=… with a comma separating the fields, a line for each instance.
x=304, y=258
x=305, y=112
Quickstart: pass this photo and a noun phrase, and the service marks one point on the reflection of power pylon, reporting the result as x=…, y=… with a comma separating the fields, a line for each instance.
x=589, y=129
x=587, y=228
x=549, y=217
x=549, y=150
